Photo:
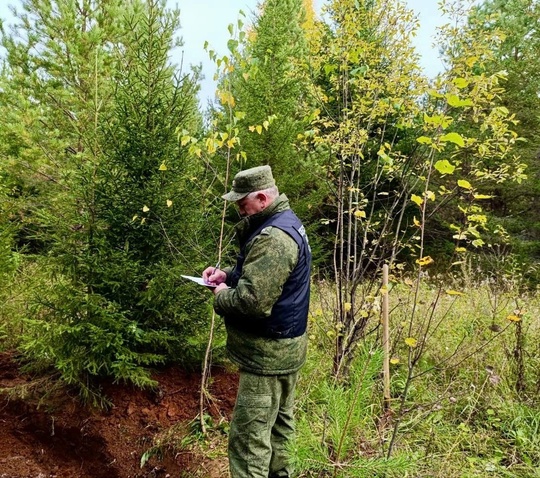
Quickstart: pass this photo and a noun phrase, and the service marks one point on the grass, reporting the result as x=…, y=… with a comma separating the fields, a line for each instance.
x=464, y=397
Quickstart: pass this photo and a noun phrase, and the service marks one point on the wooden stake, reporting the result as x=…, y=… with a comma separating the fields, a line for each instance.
x=386, y=339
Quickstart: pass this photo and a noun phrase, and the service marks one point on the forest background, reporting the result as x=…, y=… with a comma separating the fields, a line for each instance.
x=111, y=177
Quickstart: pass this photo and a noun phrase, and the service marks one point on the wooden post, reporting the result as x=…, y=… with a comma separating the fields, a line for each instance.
x=386, y=339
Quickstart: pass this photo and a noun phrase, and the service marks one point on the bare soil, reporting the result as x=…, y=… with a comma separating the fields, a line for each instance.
x=55, y=436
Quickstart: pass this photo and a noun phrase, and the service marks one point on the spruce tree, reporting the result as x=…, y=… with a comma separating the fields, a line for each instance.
x=271, y=89
x=517, y=56
x=92, y=107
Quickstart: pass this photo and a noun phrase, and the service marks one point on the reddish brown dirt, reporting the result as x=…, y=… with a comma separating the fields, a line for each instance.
x=57, y=437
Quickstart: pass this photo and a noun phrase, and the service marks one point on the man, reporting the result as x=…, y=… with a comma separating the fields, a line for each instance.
x=264, y=300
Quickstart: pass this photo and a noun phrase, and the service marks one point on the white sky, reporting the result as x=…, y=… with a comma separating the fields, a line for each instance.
x=208, y=20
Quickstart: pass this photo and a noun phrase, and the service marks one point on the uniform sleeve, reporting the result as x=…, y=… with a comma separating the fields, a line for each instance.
x=270, y=259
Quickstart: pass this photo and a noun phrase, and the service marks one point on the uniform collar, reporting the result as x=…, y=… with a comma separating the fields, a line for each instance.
x=250, y=223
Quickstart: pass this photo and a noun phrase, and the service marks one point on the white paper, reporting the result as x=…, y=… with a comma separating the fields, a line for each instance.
x=198, y=280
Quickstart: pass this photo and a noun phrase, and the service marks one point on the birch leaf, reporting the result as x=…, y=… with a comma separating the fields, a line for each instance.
x=411, y=341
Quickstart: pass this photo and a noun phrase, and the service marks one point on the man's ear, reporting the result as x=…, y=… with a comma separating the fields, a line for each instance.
x=263, y=198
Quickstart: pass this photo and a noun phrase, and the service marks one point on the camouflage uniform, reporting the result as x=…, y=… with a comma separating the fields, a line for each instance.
x=262, y=421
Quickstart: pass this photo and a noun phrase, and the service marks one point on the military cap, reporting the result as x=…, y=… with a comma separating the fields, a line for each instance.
x=248, y=181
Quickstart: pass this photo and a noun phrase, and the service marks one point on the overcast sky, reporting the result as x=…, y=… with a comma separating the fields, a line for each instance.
x=207, y=20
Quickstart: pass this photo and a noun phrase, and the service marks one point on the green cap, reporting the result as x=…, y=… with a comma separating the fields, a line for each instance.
x=248, y=181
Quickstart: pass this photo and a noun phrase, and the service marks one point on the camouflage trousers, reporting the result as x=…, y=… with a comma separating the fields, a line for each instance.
x=261, y=426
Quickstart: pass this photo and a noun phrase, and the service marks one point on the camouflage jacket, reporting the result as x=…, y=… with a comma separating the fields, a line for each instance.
x=270, y=258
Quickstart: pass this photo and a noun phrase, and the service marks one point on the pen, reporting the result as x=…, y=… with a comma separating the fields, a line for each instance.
x=217, y=265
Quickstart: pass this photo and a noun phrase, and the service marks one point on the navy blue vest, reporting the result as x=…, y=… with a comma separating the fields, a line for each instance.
x=289, y=314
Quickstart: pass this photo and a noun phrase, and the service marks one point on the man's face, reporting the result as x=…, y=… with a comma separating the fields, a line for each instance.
x=251, y=204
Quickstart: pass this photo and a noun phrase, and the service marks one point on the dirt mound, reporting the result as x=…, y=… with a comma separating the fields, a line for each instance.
x=58, y=438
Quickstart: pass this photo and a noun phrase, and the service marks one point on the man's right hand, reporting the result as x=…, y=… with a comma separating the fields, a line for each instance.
x=214, y=276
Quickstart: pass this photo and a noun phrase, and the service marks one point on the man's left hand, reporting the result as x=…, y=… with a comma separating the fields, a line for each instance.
x=220, y=287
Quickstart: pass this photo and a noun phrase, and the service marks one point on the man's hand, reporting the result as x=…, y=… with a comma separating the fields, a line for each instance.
x=219, y=288
x=213, y=276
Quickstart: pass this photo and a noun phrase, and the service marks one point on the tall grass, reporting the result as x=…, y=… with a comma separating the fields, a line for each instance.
x=467, y=408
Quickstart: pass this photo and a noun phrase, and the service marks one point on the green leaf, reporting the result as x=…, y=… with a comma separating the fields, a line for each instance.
x=424, y=140
x=444, y=166
x=328, y=68
x=232, y=45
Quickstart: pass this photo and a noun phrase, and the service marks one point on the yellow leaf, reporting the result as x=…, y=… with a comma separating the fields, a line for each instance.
x=185, y=140
x=453, y=100
x=163, y=167
x=430, y=195
x=394, y=360
x=464, y=184
x=417, y=223
x=211, y=146
x=145, y=208
x=227, y=99
x=482, y=196
x=424, y=261
x=454, y=292
x=266, y=124
x=435, y=94
x=424, y=140
x=461, y=249
x=411, y=342
x=359, y=214
x=444, y=166
x=513, y=318
x=252, y=128
x=134, y=217
x=259, y=129
x=461, y=82
x=347, y=306
x=455, y=138
x=169, y=203
x=143, y=220
x=417, y=199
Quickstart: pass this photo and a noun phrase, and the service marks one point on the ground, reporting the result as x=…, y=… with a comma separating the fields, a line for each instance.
x=57, y=437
